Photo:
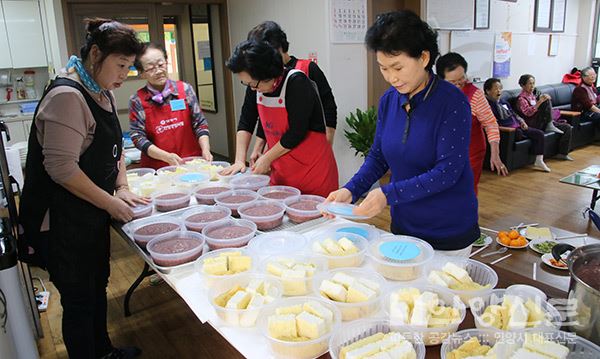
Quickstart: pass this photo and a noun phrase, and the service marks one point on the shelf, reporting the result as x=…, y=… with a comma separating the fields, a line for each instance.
x=18, y=101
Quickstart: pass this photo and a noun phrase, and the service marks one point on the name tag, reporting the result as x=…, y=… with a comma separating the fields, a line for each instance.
x=505, y=106
x=177, y=105
x=533, y=102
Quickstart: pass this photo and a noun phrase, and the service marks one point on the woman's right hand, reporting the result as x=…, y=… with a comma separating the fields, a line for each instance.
x=119, y=210
x=233, y=169
x=173, y=159
x=342, y=195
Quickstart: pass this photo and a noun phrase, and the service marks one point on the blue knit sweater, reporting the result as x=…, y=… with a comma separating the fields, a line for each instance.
x=431, y=192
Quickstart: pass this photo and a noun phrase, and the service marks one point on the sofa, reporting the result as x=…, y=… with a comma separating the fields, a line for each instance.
x=516, y=154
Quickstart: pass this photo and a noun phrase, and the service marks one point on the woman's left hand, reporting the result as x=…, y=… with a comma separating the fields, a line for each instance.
x=207, y=156
x=372, y=205
x=262, y=165
x=497, y=165
x=131, y=198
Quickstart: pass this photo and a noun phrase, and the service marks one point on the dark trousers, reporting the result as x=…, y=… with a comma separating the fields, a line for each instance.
x=536, y=136
x=591, y=116
x=543, y=117
x=564, y=144
x=84, y=318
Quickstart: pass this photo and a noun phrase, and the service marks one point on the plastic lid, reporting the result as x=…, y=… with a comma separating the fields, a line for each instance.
x=343, y=210
x=193, y=177
x=280, y=242
x=399, y=250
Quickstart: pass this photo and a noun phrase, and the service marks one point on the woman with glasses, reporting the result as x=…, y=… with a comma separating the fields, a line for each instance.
x=291, y=116
x=452, y=67
x=166, y=122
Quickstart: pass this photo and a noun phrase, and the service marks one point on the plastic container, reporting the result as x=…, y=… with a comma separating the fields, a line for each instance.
x=198, y=217
x=479, y=273
x=229, y=233
x=278, y=193
x=206, y=193
x=250, y=182
x=298, y=350
x=349, y=260
x=486, y=337
x=402, y=270
x=496, y=297
x=241, y=317
x=193, y=163
x=147, y=229
x=303, y=208
x=360, y=329
x=173, y=249
x=210, y=280
x=279, y=242
x=168, y=173
x=227, y=178
x=138, y=175
x=235, y=198
x=526, y=291
x=295, y=286
x=142, y=210
x=367, y=231
x=430, y=335
x=171, y=199
x=359, y=310
x=214, y=169
x=266, y=214
x=189, y=181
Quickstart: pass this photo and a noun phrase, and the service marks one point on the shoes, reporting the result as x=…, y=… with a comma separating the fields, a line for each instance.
x=155, y=280
x=564, y=157
x=551, y=128
x=541, y=166
x=123, y=353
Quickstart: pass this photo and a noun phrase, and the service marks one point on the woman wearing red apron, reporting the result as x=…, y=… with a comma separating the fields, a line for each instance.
x=452, y=67
x=165, y=117
x=291, y=116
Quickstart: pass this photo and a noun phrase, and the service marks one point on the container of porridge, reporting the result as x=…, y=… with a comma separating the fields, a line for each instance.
x=303, y=208
x=230, y=233
x=278, y=193
x=198, y=217
x=146, y=230
x=142, y=210
x=206, y=194
x=171, y=199
x=234, y=199
x=251, y=182
x=172, y=249
x=266, y=214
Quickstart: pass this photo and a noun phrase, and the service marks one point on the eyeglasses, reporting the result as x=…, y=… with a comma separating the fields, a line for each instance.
x=155, y=67
x=252, y=86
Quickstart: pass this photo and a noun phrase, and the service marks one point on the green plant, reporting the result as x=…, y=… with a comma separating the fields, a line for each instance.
x=362, y=132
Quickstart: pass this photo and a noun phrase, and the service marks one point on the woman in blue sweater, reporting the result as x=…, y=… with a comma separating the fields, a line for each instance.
x=422, y=136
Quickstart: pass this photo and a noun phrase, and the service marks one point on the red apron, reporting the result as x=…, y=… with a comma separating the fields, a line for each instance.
x=310, y=166
x=302, y=65
x=169, y=130
x=477, y=146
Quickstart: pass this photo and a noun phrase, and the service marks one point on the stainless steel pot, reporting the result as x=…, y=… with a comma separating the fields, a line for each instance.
x=583, y=309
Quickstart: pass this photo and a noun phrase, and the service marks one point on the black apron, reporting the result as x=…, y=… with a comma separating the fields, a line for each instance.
x=78, y=243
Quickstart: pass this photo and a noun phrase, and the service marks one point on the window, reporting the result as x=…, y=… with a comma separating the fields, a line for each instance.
x=203, y=57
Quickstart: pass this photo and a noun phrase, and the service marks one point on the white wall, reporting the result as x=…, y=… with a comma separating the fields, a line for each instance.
x=574, y=43
x=306, y=24
x=54, y=32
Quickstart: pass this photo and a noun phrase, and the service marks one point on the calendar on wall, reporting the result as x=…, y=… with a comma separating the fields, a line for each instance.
x=348, y=23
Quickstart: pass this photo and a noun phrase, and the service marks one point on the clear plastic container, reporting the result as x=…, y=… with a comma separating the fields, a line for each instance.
x=250, y=182
x=210, y=280
x=142, y=210
x=198, y=217
x=401, y=270
x=171, y=199
x=227, y=178
x=241, y=317
x=206, y=192
x=189, y=181
x=479, y=273
x=235, y=198
x=193, y=163
x=485, y=337
x=168, y=173
x=359, y=310
x=496, y=297
x=303, y=349
x=298, y=210
x=173, y=249
x=349, y=260
x=279, y=242
x=229, y=233
x=137, y=175
x=216, y=167
x=147, y=229
x=367, y=231
x=279, y=193
x=294, y=286
x=266, y=214
x=526, y=291
x=360, y=329
x=430, y=335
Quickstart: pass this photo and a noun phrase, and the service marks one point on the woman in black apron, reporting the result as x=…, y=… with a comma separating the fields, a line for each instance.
x=66, y=220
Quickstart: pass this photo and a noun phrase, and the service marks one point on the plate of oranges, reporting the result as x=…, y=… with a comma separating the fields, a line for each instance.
x=511, y=239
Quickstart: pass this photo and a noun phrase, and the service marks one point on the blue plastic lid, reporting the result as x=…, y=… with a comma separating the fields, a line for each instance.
x=193, y=177
x=355, y=230
x=399, y=251
x=343, y=210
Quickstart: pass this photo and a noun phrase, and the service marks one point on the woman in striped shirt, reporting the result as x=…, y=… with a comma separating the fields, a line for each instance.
x=452, y=67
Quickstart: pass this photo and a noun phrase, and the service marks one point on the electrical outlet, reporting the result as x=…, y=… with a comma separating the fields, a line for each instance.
x=42, y=299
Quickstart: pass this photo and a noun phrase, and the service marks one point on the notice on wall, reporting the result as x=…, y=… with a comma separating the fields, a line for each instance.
x=502, y=49
x=348, y=23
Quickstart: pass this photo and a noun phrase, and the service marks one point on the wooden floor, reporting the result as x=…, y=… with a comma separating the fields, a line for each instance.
x=164, y=327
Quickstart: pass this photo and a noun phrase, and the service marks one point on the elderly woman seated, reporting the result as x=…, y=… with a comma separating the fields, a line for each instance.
x=506, y=117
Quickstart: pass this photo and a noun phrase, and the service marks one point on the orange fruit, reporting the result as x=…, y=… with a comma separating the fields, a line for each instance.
x=502, y=233
x=505, y=240
x=513, y=234
x=522, y=241
x=515, y=243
